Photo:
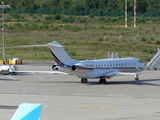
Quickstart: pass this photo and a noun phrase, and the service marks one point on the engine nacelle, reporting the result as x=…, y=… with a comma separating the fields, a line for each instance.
x=83, y=66
x=59, y=68
x=55, y=67
x=74, y=68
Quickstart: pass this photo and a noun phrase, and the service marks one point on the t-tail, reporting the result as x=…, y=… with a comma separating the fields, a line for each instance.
x=60, y=55
x=28, y=111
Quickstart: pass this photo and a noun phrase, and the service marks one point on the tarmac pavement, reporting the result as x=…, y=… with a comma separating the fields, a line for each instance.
x=65, y=98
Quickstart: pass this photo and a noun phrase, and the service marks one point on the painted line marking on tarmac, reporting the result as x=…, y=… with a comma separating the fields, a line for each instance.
x=117, y=95
x=40, y=78
x=28, y=88
x=83, y=94
x=12, y=78
x=98, y=108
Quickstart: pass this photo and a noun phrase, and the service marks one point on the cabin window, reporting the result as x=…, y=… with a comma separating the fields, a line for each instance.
x=91, y=65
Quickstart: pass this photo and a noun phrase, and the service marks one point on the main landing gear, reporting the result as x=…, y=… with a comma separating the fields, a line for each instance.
x=84, y=80
x=101, y=81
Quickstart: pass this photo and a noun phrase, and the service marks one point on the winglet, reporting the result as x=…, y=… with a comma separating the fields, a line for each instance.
x=28, y=111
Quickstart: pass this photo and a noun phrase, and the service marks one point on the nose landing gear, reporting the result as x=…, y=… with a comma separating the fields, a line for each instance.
x=136, y=77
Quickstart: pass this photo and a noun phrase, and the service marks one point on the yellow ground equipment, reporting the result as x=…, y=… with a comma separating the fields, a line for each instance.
x=13, y=61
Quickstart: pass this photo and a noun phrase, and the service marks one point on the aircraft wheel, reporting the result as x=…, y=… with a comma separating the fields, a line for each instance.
x=84, y=80
x=14, y=73
x=102, y=81
x=137, y=79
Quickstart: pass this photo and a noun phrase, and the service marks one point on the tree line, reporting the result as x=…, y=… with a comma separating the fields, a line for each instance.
x=85, y=7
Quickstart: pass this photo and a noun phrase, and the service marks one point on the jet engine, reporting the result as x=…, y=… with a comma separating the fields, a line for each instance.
x=55, y=67
x=82, y=67
x=74, y=67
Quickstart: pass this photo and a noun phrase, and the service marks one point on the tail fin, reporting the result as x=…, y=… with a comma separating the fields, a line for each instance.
x=60, y=55
x=28, y=111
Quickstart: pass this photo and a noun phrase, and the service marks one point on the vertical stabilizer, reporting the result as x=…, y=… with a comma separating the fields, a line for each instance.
x=28, y=111
x=60, y=55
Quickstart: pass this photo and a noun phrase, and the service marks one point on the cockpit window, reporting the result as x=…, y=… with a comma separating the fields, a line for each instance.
x=140, y=61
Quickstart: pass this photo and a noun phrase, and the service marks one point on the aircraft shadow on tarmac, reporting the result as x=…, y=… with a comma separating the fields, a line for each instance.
x=24, y=74
x=60, y=82
x=140, y=82
x=8, y=107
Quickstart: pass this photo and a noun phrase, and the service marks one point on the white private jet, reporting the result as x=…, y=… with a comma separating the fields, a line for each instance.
x=92, y=69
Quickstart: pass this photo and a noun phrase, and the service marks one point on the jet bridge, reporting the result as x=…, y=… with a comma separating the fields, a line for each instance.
x=154, y=61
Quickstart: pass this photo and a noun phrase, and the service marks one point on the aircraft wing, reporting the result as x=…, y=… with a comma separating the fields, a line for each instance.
x=112, y=74
x=50, y=72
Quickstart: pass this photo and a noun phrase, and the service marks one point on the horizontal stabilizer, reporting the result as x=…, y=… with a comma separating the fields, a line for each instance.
x=28, y=111
x=42, y=45
x=49, y=72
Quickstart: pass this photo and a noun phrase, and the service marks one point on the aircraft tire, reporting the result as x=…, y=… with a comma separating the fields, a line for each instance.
x=136, y=79
x=84, y=80
x=102, y=81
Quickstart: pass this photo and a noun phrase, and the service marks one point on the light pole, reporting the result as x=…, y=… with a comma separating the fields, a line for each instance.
x=126, y=24
x=3, y=42
x=134, y=13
